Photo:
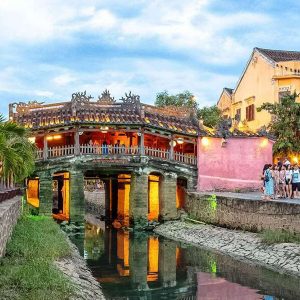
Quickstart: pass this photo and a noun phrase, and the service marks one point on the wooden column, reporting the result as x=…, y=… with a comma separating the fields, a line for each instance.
x=45, y=150
x=76, y=141
x=172, y=148
x=142, y=142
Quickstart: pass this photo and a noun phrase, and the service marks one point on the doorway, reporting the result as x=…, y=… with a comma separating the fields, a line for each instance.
x=61, y=195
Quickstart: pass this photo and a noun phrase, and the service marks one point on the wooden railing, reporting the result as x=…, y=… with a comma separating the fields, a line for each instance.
x=108, y=150
x=159, y=153
x=61, y=151
x=40, y=154
x=185, y=158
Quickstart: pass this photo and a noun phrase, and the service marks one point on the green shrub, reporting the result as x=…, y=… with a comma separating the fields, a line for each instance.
x=279, y=236
x=27, y=270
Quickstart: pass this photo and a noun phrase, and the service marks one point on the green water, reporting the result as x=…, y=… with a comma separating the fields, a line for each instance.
x=146, y=266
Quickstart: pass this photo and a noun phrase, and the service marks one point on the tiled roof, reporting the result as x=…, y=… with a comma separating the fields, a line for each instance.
x=280, y=55
x=38, y=116
x=228, y=90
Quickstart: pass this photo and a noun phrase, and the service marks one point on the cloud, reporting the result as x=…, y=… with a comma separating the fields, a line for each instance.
x=64, y=79
x=54, y=47
x=191, y=28
x=43, y=93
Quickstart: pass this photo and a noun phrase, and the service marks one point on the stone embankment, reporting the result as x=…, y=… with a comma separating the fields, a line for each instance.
x=74, y=267
x=244, y=246
x=243, y=211
x=9, y=213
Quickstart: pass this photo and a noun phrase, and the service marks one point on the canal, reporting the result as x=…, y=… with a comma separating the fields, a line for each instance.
x=147, y=266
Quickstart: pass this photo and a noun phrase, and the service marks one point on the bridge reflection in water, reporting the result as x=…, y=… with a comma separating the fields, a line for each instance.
x=143, y=266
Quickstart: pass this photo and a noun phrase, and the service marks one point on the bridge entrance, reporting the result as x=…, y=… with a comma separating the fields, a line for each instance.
x=61, y=195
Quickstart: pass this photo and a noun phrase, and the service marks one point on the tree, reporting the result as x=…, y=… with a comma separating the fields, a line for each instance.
x=285, y=123
x=185, y=98
x=17, y=154
x=211, y=115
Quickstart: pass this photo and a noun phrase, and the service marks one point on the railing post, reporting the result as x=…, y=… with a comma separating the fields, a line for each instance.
x=45, y=150
x=77, y=145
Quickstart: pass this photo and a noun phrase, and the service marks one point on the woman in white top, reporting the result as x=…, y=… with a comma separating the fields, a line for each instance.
x=296, y=181
x=288, y=181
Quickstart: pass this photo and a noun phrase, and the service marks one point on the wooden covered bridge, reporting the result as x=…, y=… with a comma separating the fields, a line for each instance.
x=146, y=156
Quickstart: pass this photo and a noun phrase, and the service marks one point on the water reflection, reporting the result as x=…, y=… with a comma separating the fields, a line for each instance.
x=141, y=266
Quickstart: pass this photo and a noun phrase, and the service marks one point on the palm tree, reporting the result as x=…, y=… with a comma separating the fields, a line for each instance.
x=17, y=154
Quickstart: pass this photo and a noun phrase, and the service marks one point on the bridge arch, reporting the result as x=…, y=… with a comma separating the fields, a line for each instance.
x=155, y=181
x=61, y=194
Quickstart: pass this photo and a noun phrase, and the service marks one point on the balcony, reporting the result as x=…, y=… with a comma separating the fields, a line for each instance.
x=116, y=152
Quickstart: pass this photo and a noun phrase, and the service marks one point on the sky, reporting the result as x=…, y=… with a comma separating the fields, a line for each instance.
x=52, y=48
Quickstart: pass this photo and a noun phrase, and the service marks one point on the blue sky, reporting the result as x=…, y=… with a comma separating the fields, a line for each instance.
x=52, y=48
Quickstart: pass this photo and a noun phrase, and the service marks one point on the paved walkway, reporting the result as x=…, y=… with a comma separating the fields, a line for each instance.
x=254, y=196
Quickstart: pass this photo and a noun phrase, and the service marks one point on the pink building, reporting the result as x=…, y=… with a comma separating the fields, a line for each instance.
x=233, y=164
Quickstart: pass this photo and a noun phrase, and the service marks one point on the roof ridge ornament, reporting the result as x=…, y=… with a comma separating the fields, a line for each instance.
x=106, y=98
x=131, y=99
x=23, y=107
x=81, y=97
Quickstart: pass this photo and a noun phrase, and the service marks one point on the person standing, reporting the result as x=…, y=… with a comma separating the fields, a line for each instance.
x=269, y=183
x=286, y=162
x=104, y=148
x=266, y=166
x=275, y=175
x=288, y=181
x=282, y=190
x=296, y=181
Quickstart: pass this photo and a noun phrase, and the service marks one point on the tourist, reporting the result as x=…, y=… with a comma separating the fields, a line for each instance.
x=117, y=146
x=266, y=166
x=282, y=190
x=288, y=180
x=275, y=174
x=104, y=148
x=296, y=181
x=286, y=162
x=109, y=148
x=123, y=148
x=91, y=146
x=269, y=183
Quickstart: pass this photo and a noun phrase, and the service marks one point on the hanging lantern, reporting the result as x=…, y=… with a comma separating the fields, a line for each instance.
x=180, y=141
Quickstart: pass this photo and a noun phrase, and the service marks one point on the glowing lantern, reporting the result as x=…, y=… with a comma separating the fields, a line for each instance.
x=31, y=139
x=180, y=141
x=295, y=159
x=205, y=141
x=54, y=137
x=264, y=143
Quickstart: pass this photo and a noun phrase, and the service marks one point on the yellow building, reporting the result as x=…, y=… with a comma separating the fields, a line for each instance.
x=268, y=75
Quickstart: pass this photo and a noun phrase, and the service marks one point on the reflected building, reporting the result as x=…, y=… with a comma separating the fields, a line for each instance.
x=144, y=266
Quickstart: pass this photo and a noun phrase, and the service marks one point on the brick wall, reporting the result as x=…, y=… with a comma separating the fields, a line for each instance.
x=243, y=214
x=9, y=213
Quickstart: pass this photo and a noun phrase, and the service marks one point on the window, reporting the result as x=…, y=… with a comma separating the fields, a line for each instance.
x=238, y=114
x=250, y=112
x=283, y=94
